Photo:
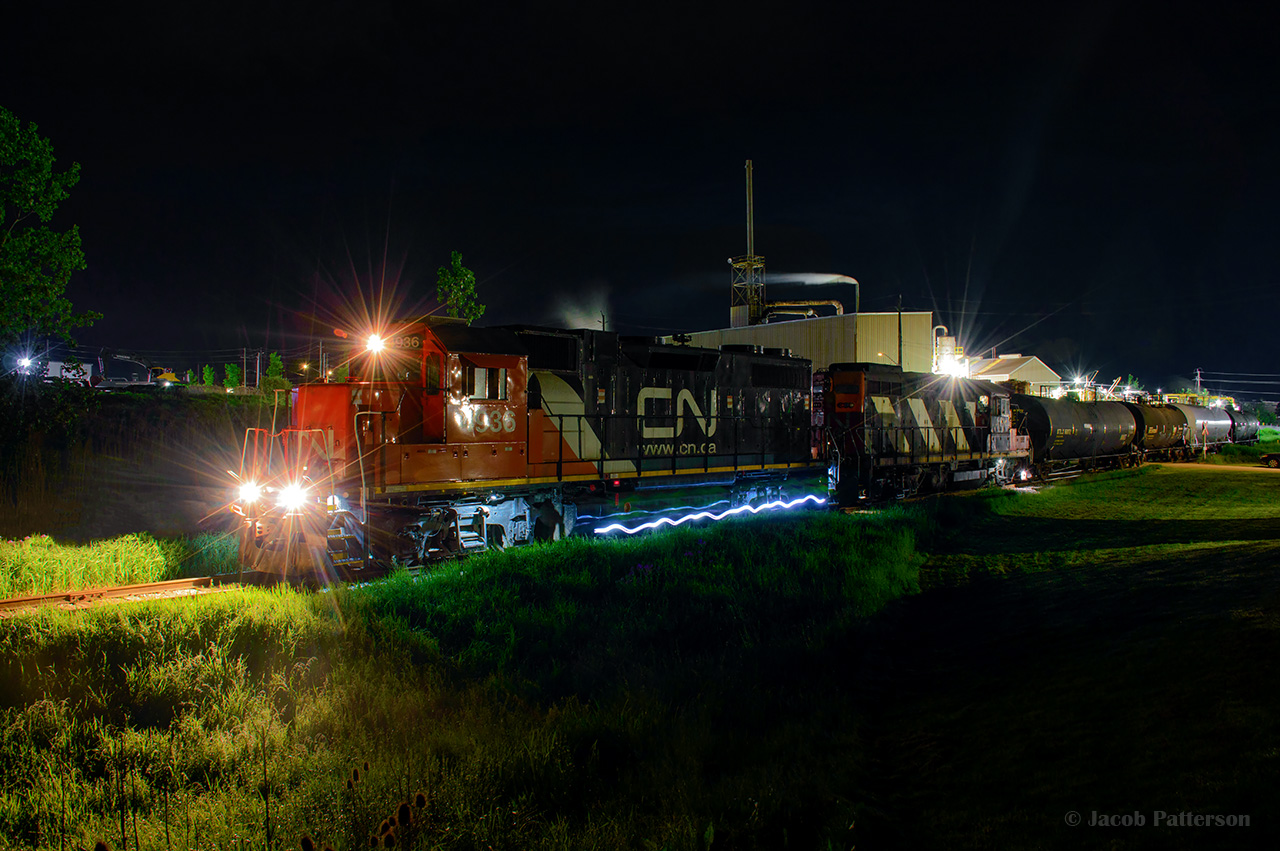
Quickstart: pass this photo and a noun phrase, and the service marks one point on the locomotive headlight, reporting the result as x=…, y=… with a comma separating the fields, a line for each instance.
x=292, y=497
x=375, y=343
x=250, y=491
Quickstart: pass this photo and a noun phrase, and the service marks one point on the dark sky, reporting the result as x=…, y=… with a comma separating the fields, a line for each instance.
x=1096, y=183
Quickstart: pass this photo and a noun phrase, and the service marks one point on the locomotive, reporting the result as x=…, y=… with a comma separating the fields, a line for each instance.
x=455, y=439
x=890, y=434
x=449, y=440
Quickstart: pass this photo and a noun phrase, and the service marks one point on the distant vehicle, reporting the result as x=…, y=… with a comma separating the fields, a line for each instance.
x=124, y=371
x=1271, y=459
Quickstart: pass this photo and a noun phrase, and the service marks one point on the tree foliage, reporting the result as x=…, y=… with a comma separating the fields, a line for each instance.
x=456, y=290
x=36, y=261
x=233, y=376
x=275, y=366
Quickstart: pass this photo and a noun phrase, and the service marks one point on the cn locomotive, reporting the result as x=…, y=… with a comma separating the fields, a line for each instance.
x=456, y=439
x=448, y=440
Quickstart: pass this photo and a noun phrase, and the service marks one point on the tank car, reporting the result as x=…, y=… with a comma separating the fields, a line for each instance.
x=1066, y=433
x=1244, y=426
x=1161, y=430
x=1207, y=429
x=890, y=433
x=457, y=439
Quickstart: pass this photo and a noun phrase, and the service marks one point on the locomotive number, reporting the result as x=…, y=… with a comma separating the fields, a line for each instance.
x=407, y=341
x=495, y=422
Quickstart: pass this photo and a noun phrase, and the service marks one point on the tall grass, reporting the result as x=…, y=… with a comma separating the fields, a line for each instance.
x=674, y=691
x=1233, y=454
x=39, y=565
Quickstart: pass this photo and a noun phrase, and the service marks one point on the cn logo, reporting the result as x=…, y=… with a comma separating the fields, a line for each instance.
x=684, y=401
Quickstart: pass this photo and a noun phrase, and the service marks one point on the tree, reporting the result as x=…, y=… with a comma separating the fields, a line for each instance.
x=274, y=379
x=456, y=290
x=208, y=375
x=275, y=366
x=233, y=376
x=36, y=261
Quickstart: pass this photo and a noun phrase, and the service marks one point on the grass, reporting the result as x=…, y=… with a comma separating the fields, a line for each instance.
x=1269, y=441
x=39, y=565
x=1107, y=644
x=667, y=691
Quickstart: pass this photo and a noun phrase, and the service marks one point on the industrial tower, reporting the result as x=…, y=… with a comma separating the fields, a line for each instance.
x=746, y=304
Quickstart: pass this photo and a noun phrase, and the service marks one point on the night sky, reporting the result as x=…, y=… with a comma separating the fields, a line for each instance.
x=1096, y=184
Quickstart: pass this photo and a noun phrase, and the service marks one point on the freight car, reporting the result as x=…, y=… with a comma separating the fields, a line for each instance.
x=1068, y=434
x=1071, y=434
x=457, y=439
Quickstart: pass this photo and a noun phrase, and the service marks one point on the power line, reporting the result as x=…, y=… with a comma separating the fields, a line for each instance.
x=1253, y=374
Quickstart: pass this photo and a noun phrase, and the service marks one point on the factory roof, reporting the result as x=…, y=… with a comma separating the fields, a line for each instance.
x=1027, y=368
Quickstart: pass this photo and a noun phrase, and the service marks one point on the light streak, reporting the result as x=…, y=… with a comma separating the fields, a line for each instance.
x=708, y=515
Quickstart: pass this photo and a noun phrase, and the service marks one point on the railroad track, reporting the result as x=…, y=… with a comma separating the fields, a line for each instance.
x=88, y=596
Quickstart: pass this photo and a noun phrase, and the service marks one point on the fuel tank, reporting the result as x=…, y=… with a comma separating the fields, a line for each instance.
x=1066, y=430
x=1205, y=424
x=1159, y=426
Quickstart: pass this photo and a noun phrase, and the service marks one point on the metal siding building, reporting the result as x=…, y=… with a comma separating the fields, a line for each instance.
x=1028, y=368
x=850, y=338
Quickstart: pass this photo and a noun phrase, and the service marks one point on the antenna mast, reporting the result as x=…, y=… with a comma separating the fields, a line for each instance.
x=746, y=303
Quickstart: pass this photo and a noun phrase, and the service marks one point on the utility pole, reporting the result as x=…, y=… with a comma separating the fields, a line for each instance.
x=244, y=365
x=257, y=368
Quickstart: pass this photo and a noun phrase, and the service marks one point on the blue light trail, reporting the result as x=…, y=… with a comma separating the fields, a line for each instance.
x=777, y=504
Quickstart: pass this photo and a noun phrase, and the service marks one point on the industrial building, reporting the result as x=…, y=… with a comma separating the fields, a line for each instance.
x=1040, y=379
x=904, y=339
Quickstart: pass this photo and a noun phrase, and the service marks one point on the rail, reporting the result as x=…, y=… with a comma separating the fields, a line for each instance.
x=85, y=596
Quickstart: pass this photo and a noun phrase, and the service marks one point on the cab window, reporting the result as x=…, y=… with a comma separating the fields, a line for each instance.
x=480, y=382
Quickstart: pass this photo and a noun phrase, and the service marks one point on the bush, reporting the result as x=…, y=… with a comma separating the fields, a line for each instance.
x=272, y=383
